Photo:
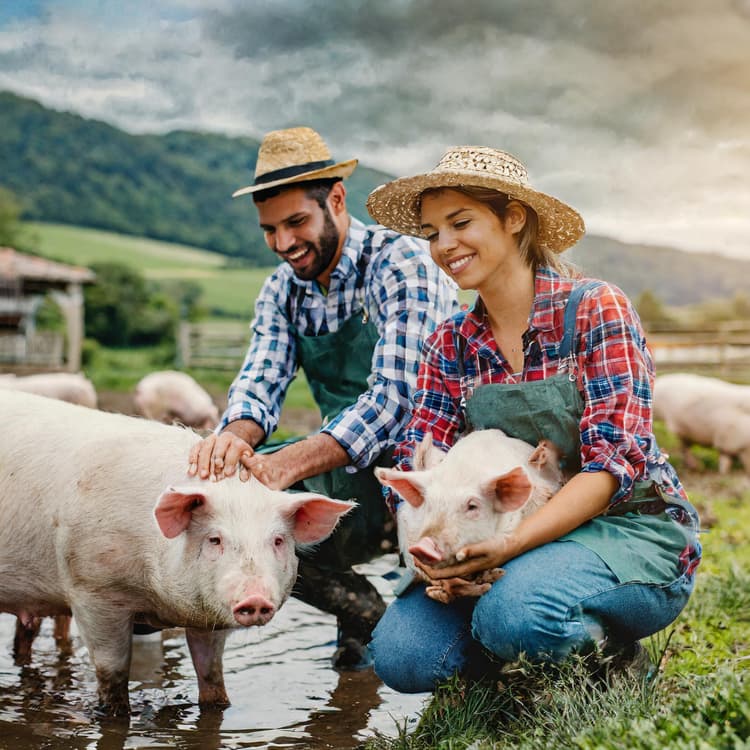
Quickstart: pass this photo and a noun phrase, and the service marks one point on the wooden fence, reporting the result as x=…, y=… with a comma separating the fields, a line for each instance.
x=216, y=345
x=722, y=349
x=40, y=350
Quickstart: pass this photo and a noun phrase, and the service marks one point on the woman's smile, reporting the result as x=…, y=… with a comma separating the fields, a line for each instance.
x=456, y=265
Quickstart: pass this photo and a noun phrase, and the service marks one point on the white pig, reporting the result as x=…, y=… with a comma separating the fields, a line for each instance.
x=66, y=386
x=481, y=488
x=170, y=395
x=707, y=411
x=101, y=520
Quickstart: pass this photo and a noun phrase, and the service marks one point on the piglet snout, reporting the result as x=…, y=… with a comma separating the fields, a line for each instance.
x=255, y=610
x=426, y=551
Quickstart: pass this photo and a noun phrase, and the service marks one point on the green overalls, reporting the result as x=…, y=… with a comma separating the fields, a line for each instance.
x=337, y=366
x=637, y=539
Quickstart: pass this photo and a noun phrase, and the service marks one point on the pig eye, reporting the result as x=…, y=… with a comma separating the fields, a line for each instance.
x=278, y=541
x=472, y=505
x=215, y=540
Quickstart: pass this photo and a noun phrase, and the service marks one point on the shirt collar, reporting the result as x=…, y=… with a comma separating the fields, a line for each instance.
x=548, y=285
x=352, y=250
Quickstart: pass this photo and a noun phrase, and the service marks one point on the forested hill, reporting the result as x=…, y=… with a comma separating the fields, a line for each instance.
x=177, y=187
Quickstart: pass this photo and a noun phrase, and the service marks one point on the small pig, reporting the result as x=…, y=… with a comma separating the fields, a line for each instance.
x=706, y=411
x=65, y=386
x=481, y=488
x=172, y=396
x=101, y=520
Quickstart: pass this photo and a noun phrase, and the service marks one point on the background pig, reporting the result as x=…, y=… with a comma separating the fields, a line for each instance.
x=66, y=386
x=101, y=520
x=481, y=488
x=707, y=411
x=169, y=396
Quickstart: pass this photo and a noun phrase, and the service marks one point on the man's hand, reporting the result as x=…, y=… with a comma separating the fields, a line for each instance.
x=305, y=458
x=273, y=469
x=219, y=456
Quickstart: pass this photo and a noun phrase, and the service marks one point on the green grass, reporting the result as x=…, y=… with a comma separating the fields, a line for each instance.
x=228, y=291
x=700, y=697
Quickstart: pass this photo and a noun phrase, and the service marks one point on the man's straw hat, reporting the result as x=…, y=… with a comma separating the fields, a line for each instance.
x=397, y=204
x=294, y=155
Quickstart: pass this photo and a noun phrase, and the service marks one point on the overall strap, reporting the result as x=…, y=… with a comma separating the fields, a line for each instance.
x=569, y=320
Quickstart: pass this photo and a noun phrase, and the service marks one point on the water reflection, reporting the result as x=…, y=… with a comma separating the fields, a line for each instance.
x=284, y=693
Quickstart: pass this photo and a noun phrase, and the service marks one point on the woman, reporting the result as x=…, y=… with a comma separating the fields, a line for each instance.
x=543, y=353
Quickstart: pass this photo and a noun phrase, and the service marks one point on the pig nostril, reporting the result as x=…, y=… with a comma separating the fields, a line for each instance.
x=255, y=610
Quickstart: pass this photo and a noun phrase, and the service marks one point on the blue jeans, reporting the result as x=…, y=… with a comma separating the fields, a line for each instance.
x=552, y=601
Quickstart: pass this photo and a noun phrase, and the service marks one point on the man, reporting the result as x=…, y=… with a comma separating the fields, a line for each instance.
x=351, y=305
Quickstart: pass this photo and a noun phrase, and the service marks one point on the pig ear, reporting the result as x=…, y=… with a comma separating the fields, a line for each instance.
x=408, y=484
x=315, y=516
x=511, y=490
x=174, y=510
x=426, y=455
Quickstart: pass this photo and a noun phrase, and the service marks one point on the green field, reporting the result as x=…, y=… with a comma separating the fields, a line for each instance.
x=230, y=291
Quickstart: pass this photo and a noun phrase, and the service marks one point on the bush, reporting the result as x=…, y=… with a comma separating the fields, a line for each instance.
x=122, y=310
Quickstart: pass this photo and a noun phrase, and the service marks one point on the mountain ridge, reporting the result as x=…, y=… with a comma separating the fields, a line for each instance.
x=177, y=187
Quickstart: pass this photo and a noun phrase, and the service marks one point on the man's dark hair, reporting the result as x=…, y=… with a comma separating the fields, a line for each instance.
x=316, y=190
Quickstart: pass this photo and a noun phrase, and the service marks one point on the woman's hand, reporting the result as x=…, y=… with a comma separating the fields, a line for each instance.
x=473, y=559
x=474, y=573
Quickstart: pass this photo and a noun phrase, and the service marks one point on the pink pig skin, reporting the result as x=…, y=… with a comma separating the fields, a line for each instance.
x=173, y=396
x=101, y=520
x=481, y=488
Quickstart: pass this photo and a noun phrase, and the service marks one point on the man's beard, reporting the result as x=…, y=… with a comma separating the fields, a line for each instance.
x=324, y=250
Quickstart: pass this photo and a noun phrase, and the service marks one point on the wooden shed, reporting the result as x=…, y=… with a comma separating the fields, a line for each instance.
x=25, y=280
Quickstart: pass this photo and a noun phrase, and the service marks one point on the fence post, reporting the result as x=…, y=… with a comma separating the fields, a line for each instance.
x=182, y=355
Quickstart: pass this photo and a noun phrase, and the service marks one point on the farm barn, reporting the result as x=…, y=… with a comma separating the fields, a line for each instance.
x=25, y=280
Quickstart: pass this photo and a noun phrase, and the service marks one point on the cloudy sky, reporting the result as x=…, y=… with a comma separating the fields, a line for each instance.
x=637, y=112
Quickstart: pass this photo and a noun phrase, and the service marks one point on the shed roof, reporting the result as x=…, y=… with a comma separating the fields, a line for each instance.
x=15, y=265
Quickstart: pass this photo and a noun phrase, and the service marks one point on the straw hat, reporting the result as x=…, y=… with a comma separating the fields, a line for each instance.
x=294, y=155
x=397, y=204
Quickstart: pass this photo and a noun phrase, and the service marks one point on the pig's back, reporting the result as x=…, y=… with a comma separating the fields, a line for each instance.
x=68, y=473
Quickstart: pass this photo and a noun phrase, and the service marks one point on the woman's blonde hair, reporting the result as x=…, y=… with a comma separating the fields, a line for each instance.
x=531, y=253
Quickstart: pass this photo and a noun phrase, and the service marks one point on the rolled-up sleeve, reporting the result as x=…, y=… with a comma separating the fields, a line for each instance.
x=408, y=296
x=617, y=376
x=269, y=367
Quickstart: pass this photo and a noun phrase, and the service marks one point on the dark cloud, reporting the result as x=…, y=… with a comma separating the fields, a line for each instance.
x=599, y=98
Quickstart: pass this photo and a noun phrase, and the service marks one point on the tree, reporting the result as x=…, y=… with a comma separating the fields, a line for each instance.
x=10, y=212
x=120, y=309
x=651, y=310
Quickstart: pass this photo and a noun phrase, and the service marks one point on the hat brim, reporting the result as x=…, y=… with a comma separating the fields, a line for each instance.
x=342, y=169
x=396, y=205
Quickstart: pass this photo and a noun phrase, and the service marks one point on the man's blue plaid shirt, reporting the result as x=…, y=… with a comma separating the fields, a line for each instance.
x=388, y=278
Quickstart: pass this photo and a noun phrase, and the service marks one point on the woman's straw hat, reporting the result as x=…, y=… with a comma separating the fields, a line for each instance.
x=396, y=204
x=294, y=155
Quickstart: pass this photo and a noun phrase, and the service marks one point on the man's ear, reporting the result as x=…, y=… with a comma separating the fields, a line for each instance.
x=337, y=198
x=515, y=217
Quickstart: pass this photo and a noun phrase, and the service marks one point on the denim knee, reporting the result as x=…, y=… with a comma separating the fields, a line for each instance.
x=532, y=610
x=531, y=628
x=419, y=642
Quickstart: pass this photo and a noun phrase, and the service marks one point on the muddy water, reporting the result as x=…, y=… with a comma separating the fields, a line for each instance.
x=284, y=693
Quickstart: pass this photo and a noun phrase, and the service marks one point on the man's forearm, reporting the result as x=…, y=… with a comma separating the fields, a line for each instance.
x=315, y=455
x=307, y=458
